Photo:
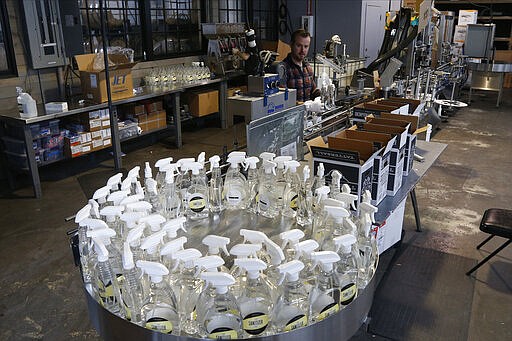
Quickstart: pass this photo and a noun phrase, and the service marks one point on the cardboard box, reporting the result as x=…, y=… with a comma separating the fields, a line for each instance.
x=279, y=46
x=72, y=146
x=94, y=83
x=403, y=108
x=238, y=89
x=389, y=232
x=153, y=106
x=97, y=134
x=153, y=121
x=86, y=147
x=203, y=103
x=410, y=144
x=360, y=111
x=380, y=173
x=415, y=105
x=397, y=156
x=85, y=137
x=352, y=158
x=97, y=144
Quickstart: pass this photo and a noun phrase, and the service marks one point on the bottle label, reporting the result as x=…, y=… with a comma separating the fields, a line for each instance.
x=159, y=320
x=329, y=310
x=263, y=202
x=348, y=293
x=106, y=292
x=233, y=196
x=127, y=312
x=255, y=323
x=223, y=327
x=197, y=202
x=298, y=321
x=223, y=334
x=293, y=203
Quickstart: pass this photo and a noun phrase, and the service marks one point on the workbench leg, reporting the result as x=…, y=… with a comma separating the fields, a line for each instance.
x=416, y=211
x=31, y=159
x=177, y=119
x=222, y=104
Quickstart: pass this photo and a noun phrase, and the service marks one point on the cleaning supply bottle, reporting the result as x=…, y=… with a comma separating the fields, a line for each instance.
x=153, y=221
x=304, y=215
x=138, y=206
x=252, y=181
x=241, y=251
x=197, y=194
x=114, y=181
x=159, y=310
x=148, y=172
x=215, y=185
x=291, y=190
x=172, y=226
x=235, y=193
x=367, y=242
x=133, y=238
x=27, y=103
x=272, y=274
x=334, y=226
x=114, y=255
x=201, y=159
x=304, y=249
x=335, y=184
x=290, y=239
x=268, y=192
x=171, y=200
x=255, y=300
x=100, y=195
x=319, y=179
x=115, y=198
x=292, y=308
x=265, y=156
x=280, y=180
x=83, y=246
x=348, y=199
x=215, y=245
x=160, y=175
x=325, y=297
x=133, y=175
x=347, y=268
x=220, y=318
x=183, y=181
x=112, y=214
x=189, y=287
x=151, y=246
x=319, y=214
x=130, y=287
x=151, y=195
x=256, y=237
x=129, y=221
x=167, y=252
x=106, y=285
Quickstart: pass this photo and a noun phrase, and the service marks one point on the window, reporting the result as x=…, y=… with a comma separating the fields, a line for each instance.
x=265, y=19
x=7, y=58
x=227, y=11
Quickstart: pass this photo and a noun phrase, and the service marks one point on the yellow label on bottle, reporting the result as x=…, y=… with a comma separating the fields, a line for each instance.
x=331, y=309
x=197, y=203
x=223, y=333
x=294, y=203
x=255, y=323
x=106, y=292
x=128, y=312
x=297, y=322
x=159, y=324
x=348, y=293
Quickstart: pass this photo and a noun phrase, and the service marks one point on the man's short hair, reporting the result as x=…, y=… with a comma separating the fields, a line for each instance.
x=300, y=33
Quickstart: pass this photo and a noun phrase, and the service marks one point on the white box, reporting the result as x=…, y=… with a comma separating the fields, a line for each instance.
x=56, y=107
x=390, y=232
x=410, y=149
x=467, y=16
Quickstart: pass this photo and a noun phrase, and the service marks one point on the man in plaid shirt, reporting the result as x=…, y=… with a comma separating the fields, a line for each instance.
x=299, y=74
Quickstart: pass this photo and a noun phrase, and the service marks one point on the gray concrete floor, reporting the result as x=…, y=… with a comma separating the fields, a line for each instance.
x=42, y=296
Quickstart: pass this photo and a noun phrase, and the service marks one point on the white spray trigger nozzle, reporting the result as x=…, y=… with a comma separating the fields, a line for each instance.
x=269, y=166
x=219, y=280
x=214, y=162
x=127, y=257
x=290, y=270
x=291, y=236
x=245, y=250
x=169, y=248
x=275, y=252
x=326, y=259
x=114, y=181
x=320, y=171
x=344, y=242
x=267, y=156
x=172, y=226
x=139, y=206
x=280, y=160
x=101, y=194
x=131, y=218
x=84, y=212
x=185, y=256
x=253, y=266
x=154, y=221
x=95, y=208
x=208, y=263
x=251, y=162
x=132, y=198
x=134, y=173
x=253, y=236
x=216, y=243
x=321, y=193
x=291, y=166
x=305, y=247
x=162, y=162
x=116, y=197
x=156, y=271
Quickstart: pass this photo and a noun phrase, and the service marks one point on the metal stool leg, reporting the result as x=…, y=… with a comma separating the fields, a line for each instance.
x=416, y=211
x=485, y=241
x=488, y=257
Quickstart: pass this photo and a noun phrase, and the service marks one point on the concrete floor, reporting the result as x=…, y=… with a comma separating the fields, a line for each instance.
x=42, y=297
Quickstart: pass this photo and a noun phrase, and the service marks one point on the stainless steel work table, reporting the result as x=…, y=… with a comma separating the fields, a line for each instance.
x=13, y=119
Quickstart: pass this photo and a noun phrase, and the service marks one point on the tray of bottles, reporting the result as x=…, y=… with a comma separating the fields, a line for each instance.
x=331, y=305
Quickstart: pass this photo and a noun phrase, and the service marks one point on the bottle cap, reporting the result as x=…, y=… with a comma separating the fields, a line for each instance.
x=116, y=197
x=251, y=162
x=185, y=257
x=219, y=280
x=320, y=171
x=280, y=160
x=150, y=243
x=148, y=173
x=290, y=271
x=253, y=236
x=114, y=181
x=153, y=221
x=305, y=248
x=253, y=266
x=169, y=248
x=172, y=226
x=214, y=162
x=131, y=218
x=344, y=243
x=337, y=213
x=326, y=259
x=267, y=156
x=95, y=208
x=133, y=173
x=84, y=212
x=291, y=166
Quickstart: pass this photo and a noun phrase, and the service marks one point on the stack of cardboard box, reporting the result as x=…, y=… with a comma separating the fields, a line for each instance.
x=149, y=115
x=89, y=132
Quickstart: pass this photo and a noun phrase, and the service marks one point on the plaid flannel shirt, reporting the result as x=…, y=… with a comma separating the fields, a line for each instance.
x=300, y=78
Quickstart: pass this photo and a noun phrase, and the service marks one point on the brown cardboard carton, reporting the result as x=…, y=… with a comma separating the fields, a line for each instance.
x=94, y=84
x=203, y=103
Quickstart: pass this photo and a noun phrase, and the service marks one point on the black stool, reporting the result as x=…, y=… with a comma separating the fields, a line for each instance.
x=496, y=222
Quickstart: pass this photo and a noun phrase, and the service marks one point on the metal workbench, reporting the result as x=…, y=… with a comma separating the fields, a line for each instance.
x=13, y=120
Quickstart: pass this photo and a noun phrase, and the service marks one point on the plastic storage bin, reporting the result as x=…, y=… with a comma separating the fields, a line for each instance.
x=128, y=129
x=54, y=127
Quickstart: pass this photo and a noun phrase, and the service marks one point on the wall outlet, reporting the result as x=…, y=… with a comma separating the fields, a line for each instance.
x=308, y=24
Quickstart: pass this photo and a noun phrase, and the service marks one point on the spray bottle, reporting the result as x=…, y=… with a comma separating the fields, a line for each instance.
x=221, y=318
x=153, y=221
x=139, y=206
x=256, y=237
x=170, y=200
x=104, y=235
x=292, y=308
x=197, y=194
x=319, y=179
x=133, y=175
x=291, y=190
x=172, y=226
x=252, y=181
x=114, y=181
x=112, y=214
x=148, y=172
x=235, y=193
x=335, y=184
x=115, y=198
x=189, y=288
x=183, y=180
x=303, y=253
x=130, y=220
x=304, y=216
x=215, y=245
x=325, y=297
x=272, y=274
x=269, y=192
x=130, y=287
x=280, y=180
x=151, y=246
x=334, y=226
x=81, y=218
x=159, y=310
x=106, y=285
x=215, y=186
x=206, y=264
x=348, y=199
x=160, y=175
x=151, y=195
x=290, y=239
x=255, y=300
x=347, y=267
x=167, y=254
x=133, y=238
x=100, y=195
x=366, y=241
x=95, y=208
